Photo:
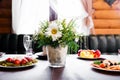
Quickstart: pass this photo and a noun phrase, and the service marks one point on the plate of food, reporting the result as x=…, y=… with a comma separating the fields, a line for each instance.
x=18, y=62
x=89, y=54
x=106, y=65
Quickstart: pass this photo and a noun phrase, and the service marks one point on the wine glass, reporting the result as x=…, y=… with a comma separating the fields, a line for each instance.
x=119, y=52
x=27, y=41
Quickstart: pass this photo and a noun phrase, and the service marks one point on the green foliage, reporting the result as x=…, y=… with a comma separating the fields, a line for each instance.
x=67, y=38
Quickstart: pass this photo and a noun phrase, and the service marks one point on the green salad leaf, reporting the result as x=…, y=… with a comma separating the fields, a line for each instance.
x=97, y=62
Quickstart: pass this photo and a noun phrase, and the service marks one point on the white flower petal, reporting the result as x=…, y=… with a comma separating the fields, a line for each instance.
x=53, y=27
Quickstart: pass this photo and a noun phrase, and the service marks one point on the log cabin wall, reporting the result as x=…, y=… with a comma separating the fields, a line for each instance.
x=5, y=16
x=106, y=18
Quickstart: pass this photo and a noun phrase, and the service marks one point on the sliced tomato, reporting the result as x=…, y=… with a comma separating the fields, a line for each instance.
x=79, y=51
x=17, y=62
x=97, y=53
x=102, y=65
x=96, y=56
x=24, y=61
x=10, y=60
x=28, y=58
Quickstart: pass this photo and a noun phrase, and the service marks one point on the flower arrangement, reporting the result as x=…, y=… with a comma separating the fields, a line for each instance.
x=57, y=33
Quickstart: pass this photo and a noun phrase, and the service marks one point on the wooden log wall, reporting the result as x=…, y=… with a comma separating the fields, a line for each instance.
x=5, y=16
x=106, y=18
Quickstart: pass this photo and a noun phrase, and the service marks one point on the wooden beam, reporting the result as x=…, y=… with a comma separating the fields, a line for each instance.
x=107, y=31
x=106, y=14
x=107, y=23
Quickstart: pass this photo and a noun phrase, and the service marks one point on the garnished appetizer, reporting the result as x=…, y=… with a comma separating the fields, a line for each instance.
x=18, y=61
x=107, y=64
x=89, y=53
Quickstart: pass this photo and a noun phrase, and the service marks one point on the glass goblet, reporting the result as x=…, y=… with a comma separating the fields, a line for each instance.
x=27, y=41
x=119, y=52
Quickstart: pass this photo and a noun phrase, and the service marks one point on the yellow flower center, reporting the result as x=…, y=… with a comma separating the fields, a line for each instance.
x=54, y=31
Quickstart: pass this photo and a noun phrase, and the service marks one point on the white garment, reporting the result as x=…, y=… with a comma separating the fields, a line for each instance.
x=82, y=28
x=27, y=14
x=73, y=9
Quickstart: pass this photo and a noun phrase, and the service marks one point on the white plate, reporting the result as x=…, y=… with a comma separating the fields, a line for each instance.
x=103, y=69
x=18, y=66
x=2, y=54
x=91, y=58
x=41, y=56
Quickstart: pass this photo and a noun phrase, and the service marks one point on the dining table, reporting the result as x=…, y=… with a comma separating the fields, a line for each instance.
x=75, y=69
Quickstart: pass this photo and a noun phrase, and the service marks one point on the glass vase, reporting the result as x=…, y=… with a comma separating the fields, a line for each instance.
x=56, y=56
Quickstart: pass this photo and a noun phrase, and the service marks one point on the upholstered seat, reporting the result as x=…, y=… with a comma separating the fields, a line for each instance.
x=13, y=43
x=105, y=43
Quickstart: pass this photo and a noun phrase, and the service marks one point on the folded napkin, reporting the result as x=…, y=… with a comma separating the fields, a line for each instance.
x=110, y=2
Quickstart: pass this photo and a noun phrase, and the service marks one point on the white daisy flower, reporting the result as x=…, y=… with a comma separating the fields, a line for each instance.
x=53, y=31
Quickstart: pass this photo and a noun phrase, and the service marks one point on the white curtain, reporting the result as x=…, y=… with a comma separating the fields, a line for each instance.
x=27, y=14
x=74, y=9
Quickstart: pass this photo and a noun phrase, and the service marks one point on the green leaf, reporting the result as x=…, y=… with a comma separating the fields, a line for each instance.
x=68, y=35
x=97, y=62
